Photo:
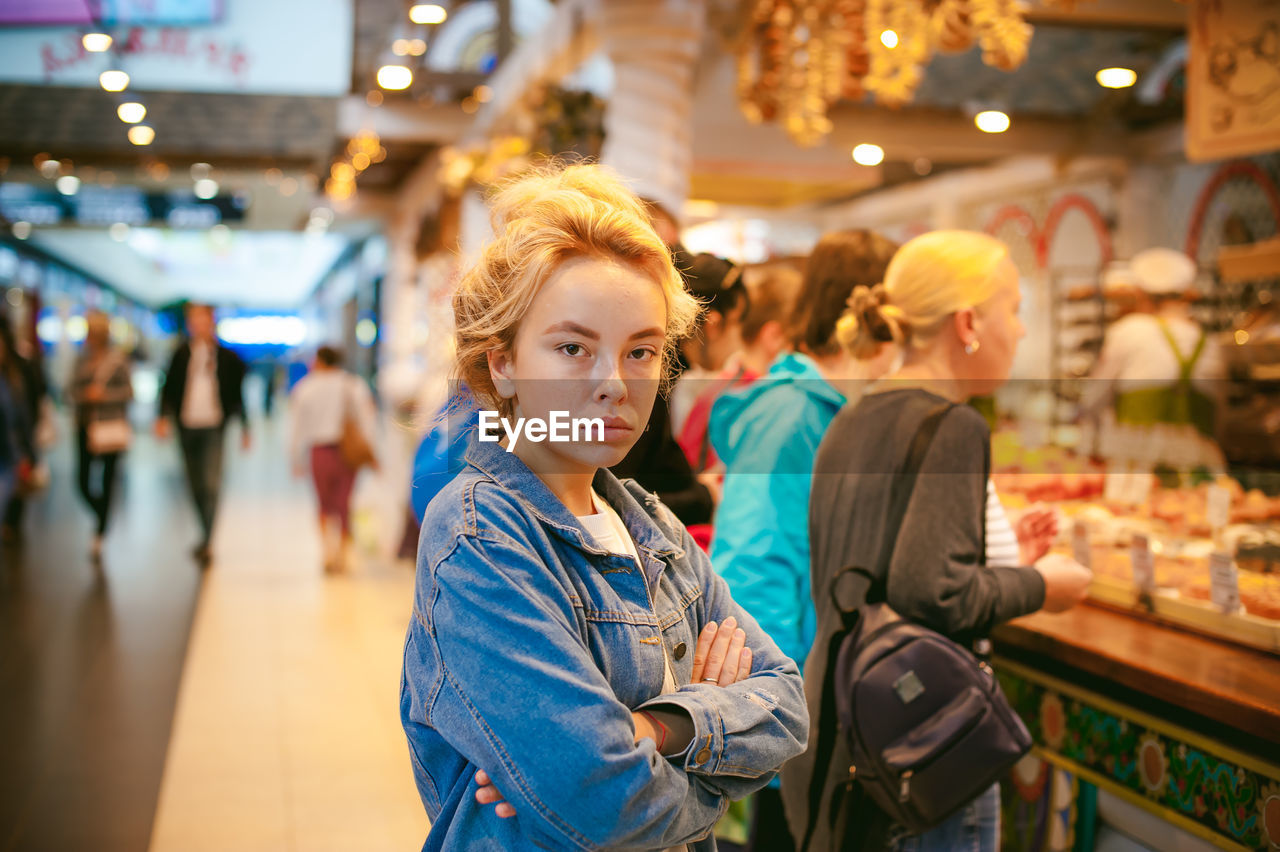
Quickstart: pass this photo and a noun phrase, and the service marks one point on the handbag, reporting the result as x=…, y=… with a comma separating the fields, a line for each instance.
x=110, y=434
x=925, y=720
x=352, y=445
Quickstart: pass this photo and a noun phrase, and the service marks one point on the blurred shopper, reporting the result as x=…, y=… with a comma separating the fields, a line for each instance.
x=203, y=390
x=536, y=677
x=1153, y=383
x=101, y=390
x=31, y=396
x=656, y=460
x=950, y=299
x=17, y=439
x=324, y=409
x=767, y=435
x=441, y=453
x=764, y=335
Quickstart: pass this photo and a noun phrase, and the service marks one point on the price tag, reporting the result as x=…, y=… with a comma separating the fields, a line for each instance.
x=1113, y=486
x=1140, y=485
x=1224, y=582
x=1143, y=564
x=1218, y=510
x=1080, y=549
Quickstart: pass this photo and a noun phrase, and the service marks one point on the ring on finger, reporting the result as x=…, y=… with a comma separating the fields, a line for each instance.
x=711, y=680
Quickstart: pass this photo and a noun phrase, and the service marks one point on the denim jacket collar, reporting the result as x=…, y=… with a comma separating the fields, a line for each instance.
x=626, y=499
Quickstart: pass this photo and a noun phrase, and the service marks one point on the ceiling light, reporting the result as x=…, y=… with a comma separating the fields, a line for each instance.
x=21, y=229
x=96, y=42
x=68, y=184
x=141, y=134
x=1117, y=78
x=49, y=168
x=131, y=112
x=394, y=77
x=417, y=47
x=868, y=155
x=206, y=188
x=119, y=231
x=114, y=80
x=889, y=39
x=427, y=13
x=400, y=47
x=991, y=121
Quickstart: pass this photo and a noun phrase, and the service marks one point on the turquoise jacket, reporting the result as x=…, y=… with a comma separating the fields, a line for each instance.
x=767, y=434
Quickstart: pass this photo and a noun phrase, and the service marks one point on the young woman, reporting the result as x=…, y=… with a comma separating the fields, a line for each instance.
x=319, y=408
x=950, y=300
x=101, y=388
x=572, y=659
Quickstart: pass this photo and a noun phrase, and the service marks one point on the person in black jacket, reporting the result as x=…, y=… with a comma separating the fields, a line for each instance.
x=203, y=389
x=656, y=460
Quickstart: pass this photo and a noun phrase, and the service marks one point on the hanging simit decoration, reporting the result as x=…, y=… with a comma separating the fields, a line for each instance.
x=798, y=57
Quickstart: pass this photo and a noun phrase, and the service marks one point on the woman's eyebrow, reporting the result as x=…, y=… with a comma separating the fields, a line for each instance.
x=572, y=328
x=648, y=332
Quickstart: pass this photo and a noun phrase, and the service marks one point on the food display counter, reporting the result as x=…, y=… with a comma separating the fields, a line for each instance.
x=1164, y=688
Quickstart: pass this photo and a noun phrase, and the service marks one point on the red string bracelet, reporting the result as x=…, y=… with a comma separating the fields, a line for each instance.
x=659, y=726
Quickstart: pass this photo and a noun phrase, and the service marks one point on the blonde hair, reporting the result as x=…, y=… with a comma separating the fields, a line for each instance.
x=929, y=279
x=541, y=220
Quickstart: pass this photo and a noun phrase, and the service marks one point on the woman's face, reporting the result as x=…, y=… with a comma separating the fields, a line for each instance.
x=591, y=344
x=998, y=330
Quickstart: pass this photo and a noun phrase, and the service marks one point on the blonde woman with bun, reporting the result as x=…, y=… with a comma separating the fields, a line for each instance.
x=575, y=674
x=950, y=300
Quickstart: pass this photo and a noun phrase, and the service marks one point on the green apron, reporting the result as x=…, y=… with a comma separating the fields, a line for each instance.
x=1177, y=404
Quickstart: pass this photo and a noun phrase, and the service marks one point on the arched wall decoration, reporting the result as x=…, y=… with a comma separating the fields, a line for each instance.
x=1015, y=213
x=1237, y=168
x=1060, y=208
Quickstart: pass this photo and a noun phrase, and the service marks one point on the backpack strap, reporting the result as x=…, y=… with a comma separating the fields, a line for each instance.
x=900, y=496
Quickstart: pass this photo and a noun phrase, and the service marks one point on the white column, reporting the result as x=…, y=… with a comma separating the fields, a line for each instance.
x=654, y=46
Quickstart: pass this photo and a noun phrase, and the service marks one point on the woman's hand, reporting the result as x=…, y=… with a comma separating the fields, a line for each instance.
x=721, y=657
x=489, y=795
x=1036, y=529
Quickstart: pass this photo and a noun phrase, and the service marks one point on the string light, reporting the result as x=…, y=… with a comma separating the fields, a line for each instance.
x=96, y=42
x=394, y=77
x=114, y=80
x=1116, y=78
x=867, y=154
x=141, y=134
x=991, y=121
x=131, y=112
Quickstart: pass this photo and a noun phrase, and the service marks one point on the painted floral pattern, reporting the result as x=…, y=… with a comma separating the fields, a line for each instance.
x=1238, y=803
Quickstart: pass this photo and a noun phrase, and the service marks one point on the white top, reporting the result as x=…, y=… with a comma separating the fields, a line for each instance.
x=319, y=404
x=1136, y=354
x=201, y=407
x=1002, y=541
x=611, y=534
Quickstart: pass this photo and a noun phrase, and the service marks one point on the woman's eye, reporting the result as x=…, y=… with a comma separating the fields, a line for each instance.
x=573, y=350
x=643, y=354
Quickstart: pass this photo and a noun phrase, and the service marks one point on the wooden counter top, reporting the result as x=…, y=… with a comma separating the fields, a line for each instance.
x=1225, y=683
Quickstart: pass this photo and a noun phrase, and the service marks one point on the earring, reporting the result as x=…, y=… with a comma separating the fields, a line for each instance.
x=971, y=347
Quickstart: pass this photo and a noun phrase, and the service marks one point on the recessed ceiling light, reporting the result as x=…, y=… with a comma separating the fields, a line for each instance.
x=427, y=13
x=394, y=77
x=867, y=154
x=991, y=121
x=1116, y=78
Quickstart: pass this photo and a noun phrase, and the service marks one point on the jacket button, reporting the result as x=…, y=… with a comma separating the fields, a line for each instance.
x=678, y=651
x=703, y=756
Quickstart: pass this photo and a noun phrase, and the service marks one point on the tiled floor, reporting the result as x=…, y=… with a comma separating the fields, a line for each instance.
x=144, y=706
x=287, y=733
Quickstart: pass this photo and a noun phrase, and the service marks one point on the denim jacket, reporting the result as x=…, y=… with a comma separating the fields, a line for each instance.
x=528, y=648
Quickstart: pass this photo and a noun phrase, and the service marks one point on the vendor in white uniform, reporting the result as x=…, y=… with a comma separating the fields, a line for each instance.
x=1153, y=385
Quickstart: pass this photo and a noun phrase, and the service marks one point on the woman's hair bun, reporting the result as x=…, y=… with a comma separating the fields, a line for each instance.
x=868, y=322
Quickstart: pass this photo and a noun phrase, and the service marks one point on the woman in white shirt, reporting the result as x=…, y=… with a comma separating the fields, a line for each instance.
x=320, y=405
